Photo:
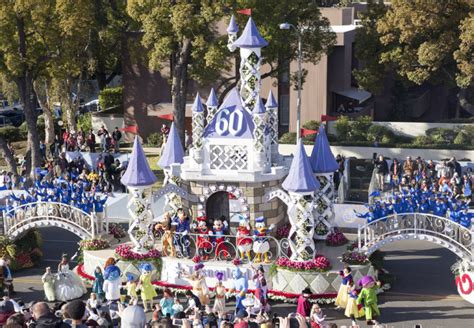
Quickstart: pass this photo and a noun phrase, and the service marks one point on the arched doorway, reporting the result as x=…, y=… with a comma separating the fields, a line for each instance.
x=218, y=205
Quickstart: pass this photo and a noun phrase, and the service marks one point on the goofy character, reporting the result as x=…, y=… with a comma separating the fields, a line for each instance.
x=203, y=240
x=219, y=230
x=244, y=241
x=261, y=246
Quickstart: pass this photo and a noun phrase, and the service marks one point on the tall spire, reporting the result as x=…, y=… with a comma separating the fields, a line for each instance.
x=173, y=152
x=138, y=173
x=197, y=106
x=212, y=99
x=300, y=177
x=322, y=159
x=250, y=37
x=271, y=101
x=232, y=28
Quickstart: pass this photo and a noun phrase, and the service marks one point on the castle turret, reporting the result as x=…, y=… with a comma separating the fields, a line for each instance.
x=212, y=103
x=198, y=128
x=259, y=135
x=232, y=31
x=272, y=123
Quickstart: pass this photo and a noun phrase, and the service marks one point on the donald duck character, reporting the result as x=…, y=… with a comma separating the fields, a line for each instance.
x=261, y=244
x=244, y=241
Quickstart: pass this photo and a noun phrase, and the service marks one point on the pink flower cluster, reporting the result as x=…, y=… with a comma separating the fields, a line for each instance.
x=354, y=258
x=125, y=253
x=93, y=244
x=283, y=231
x=319, y=264
x=336, y=238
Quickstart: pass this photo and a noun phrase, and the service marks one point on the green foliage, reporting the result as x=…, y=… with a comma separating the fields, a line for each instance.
x=155, y=139
x=84, y=121
x=441, y=135
x=11, y=133
x=380, y=132
x=343, y=127
x=311, y=125
x=462, y=139
x=111, y=98
x=288, y=138
x=359, y=127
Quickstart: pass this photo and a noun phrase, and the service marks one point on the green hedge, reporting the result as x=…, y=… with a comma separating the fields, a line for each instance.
x=111, y=98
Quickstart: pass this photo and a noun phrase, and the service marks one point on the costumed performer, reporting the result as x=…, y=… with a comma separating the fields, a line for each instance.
x=368, y=298
x=98, y=286
x=181, y=237
x=166, y=303
x=240, y=286
x=261, y=246
x=353, y=310
x=219, y=302
x=48, y=285
x=261, y=289
x=109, y=261
x=167, y=237
x=244, y=241
x=204, y=243
x=147, y=290
x=304, y=306
x=219, y=230
x=112, y=283
x=68, y=285
x=198, y=281
x=131, y=288
x=7, y=276
x=343, y=294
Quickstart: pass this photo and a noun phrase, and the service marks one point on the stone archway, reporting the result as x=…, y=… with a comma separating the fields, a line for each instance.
x=217, y=205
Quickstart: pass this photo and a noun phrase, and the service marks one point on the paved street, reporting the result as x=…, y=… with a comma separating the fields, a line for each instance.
x=424, y=291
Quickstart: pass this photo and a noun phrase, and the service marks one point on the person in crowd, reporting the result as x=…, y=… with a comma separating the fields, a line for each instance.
x=409, y=167
x=44, y=318
x=381, y=171
x=116, y=137
x=77, y=310
x=395, y=172
x=103, y=134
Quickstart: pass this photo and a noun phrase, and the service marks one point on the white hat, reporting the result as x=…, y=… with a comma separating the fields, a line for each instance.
x=133, y=317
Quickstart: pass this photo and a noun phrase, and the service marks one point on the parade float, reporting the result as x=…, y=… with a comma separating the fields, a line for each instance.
x=230, y=195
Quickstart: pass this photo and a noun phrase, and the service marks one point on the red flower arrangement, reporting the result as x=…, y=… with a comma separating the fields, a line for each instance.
x=93, y=244
x=237, y=261
x=196, y=259
x=355, y=258
x=336, y=238
x=125, y=253
x=283, y=231
x=319, y=264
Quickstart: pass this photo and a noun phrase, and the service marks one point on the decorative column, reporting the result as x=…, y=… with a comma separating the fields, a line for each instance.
x=139, y=178
x=198, y=129
x=260, y=122
x=211, y=104
x=250, y=44
x=301, y=186
x=272, y=119
x=324, y=167
x=232, y=31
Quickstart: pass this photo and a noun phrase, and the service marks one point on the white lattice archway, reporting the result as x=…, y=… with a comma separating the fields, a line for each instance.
x=231, y=189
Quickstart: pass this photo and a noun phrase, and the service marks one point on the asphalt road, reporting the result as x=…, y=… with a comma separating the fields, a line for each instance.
x=423, y=293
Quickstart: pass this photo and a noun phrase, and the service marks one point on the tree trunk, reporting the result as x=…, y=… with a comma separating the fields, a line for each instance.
x=464, y=103
x=180, y=86
x=43, y=100
x=7, y=154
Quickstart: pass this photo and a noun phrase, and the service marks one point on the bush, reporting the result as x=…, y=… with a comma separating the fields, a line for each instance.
x=288, y=138
x=380, y=133
x=11, y=133
x=360, y=127
x=422, y=140
x=343, y=127
x=441, y=135
x=111, y=98
x=462, y=139
x=155, y=139
x=311, y=125
x=84, y=121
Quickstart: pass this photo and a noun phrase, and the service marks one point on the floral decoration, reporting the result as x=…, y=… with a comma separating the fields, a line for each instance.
x=355, y=258
x=319, y=264
x=336, y=238
x=125, y=253
x=93, y=244
x=116, y=230
x=283, y=231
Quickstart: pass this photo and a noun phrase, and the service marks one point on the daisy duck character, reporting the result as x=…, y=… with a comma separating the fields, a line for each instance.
x=147, y=290
x=203, y=240
x=219, y=230
x=261, y=246
x=244, y=240
x=112, y=283
x=239, y=286
x=368, y=298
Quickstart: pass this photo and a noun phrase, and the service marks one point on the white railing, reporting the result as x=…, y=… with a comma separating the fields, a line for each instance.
x=421, y=226
x=45, y=214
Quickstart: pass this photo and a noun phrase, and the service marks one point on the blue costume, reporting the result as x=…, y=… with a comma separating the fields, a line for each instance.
x=181, y=238
x=240, y=285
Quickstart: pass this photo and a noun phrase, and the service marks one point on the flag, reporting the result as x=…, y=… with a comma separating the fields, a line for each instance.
x=130, y=129
x=246, y=11
x=168, y=117
x=327, y=118
x=306, y=132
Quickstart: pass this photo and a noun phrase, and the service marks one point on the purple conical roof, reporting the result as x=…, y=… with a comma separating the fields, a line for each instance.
x=271, y=101
x=300, y=178
x=250, y=37
x=322, y=160
x=138, y=172
x=173, y=152
x=232, y=28
x=212, y=99
x=259, y=108
x=197, y=106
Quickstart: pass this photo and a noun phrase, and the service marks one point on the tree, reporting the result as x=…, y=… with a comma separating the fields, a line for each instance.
x=421, y=39
x=368, y=49
x=465, y=61
x=42, y=87
x=25, y=31
x=6, y=153
x=184, y=34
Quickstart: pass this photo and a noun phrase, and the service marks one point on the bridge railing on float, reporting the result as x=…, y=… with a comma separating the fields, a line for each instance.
x=43, y=213
x=405, y=225
x=229, y=247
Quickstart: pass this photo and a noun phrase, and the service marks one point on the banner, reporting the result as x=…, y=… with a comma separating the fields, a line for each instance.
x=246, y=11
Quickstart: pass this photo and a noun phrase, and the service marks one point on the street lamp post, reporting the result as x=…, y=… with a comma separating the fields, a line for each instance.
x=287, y=26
